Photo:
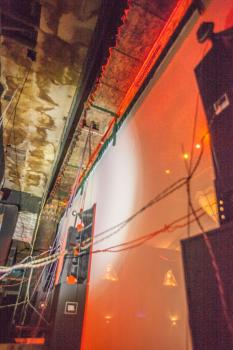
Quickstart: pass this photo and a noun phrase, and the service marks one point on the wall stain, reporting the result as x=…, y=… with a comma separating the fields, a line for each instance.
x=45, y=120
x=35, y=120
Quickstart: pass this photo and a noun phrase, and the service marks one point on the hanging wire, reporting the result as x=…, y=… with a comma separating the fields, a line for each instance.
x=53, y=249
x=14, y=112
x=162, y=195
x=33, y=264
x=194, y=130
x=12, y=305
x=130, y=244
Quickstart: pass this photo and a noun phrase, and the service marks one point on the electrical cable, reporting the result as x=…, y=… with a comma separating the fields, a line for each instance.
x=34, y=259
x=28, y=298
x=142, y=240
x=46, y=301
x=23, y=312
x=37, y=312
x=12, y=285
x=166, y=228
x=11, y=305
x=55, y=246
x=152, y=202
x=15, y=149
x=32, y=249
x=6, y=109
x=18, y=99
x=165, y=193
x=7, y=274
x=32, y=265
x=195, y=119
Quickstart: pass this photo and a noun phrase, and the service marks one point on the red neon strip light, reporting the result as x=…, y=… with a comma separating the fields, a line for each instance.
x=30, y=341
x=160, y=43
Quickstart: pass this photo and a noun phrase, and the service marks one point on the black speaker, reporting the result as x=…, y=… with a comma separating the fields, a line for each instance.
x=8, y=219
x=68, y=305
x=215, y=80
x=6, y=319
x=78, y=266
x=207, y=322
x=67, y=313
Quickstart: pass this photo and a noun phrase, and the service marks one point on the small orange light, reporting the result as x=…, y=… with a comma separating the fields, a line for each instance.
x=42, y=305
x=169, y=279
x=30, y=340
x=198, y=146
x=167, y=171
x=76, y=251
x=80, y=227
x=186, y=156
x=71, y=279
x=108, y=318
x=174, y=319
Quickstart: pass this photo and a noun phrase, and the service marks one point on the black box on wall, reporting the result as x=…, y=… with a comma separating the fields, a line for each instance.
x=207, y=321
x=67, y=314
x=214, y=76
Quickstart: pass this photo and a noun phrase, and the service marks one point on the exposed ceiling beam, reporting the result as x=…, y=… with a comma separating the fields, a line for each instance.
x=105, y=34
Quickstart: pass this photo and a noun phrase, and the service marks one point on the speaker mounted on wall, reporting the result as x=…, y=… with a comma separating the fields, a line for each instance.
x=207, y=322
x=214, y=76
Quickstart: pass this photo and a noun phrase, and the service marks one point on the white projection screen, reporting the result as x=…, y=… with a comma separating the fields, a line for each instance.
x=136, y=298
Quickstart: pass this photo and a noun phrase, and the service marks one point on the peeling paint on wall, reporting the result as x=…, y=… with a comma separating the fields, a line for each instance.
x=39, y=108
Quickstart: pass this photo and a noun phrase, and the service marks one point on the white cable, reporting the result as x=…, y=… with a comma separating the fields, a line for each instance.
x=37, y=312
x=12, y=305
x=33, y=262
x=6, y=274
x=32, y=265
x=7, y=107
x=28, y=266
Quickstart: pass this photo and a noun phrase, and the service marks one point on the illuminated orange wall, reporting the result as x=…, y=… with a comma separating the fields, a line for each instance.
x=130, y=306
